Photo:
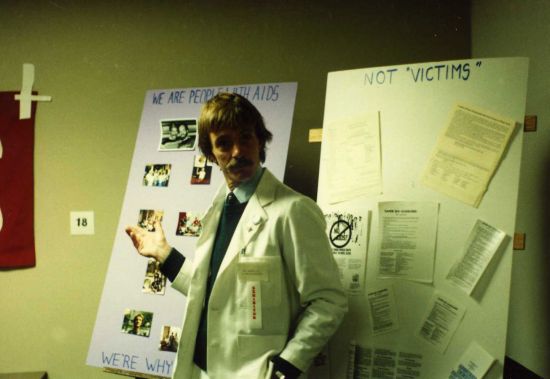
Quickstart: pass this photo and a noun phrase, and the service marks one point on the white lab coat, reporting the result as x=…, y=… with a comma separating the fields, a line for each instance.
x=278, y=264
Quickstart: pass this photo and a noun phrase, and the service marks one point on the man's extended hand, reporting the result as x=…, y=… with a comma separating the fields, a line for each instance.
x=150, y=244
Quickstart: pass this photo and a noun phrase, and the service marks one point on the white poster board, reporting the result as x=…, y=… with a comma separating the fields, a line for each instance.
x=167, y=176
x=415, y=103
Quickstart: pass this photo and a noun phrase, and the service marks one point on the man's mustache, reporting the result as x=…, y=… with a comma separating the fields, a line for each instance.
x=237, y=163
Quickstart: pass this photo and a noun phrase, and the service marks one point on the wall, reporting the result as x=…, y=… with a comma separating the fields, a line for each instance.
x=98, y=58
x=521, y=28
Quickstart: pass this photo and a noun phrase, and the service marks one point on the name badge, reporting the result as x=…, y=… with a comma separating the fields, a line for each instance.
x=252, y=272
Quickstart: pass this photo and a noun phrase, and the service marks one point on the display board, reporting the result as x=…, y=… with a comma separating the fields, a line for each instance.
x=139, y=317
x=446, y=159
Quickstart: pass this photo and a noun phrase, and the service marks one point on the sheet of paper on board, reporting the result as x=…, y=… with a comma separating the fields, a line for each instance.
x=407, y=232
x=482, y=244
x=441, y=321
x=467, y=153
x=351, y=150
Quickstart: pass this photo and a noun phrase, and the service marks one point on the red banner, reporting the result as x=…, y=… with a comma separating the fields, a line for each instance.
x=16, y=185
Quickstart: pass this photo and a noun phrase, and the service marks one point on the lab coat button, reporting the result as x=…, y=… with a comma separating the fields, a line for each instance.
x=257, y=220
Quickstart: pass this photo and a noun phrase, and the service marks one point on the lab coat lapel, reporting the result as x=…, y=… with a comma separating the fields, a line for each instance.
x=206, y=240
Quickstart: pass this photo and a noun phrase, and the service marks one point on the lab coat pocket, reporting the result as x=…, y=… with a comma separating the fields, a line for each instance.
x=267, y=271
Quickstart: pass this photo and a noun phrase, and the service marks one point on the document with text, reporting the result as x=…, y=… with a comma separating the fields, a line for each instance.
x=383, y=311
x=347, y=232
x=441, y=321
x=467, y=154
x=473, y=364
x=483, y=241
x=407, y=232
x=351, y=152
x=366, y=362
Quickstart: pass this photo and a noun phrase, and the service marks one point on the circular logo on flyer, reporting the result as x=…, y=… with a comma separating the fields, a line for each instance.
x=340, y=233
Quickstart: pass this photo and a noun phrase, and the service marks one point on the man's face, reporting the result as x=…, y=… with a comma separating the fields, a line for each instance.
x=237, y=153
x=138, y=321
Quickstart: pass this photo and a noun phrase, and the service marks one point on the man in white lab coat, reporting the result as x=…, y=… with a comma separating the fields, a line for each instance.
x=263, y=292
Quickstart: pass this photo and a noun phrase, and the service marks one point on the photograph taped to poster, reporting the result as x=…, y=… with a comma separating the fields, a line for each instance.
x=189, y=224
x=202, y=170
x=170, y=338
x=179, y=134
x=188, y=192
x=157, y=175
x=137, y=322
x=155, y=281
x=148, y=218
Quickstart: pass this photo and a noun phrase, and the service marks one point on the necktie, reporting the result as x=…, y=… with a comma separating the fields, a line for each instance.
x=231, y=213
x=231, y=200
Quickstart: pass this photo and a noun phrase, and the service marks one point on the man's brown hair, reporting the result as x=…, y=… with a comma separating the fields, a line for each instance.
x=230, y=110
